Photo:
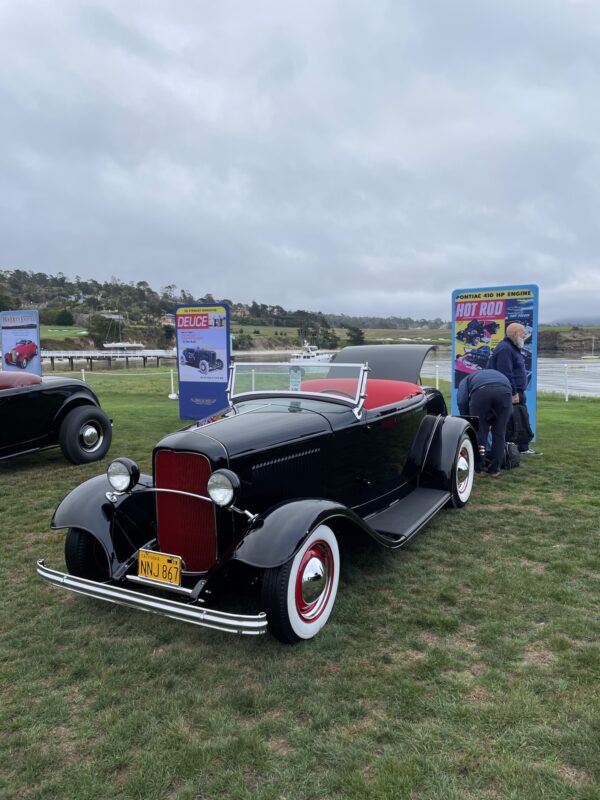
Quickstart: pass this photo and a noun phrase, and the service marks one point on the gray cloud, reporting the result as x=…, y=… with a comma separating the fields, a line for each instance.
x=342, y=156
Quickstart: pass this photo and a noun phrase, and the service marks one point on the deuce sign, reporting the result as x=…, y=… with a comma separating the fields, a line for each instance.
x=192, y=320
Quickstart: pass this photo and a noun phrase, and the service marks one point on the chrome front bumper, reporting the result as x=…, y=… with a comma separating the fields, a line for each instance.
x=194, y=614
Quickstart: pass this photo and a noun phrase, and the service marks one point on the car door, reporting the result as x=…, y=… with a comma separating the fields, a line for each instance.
x=367, y=457
x=26, y=414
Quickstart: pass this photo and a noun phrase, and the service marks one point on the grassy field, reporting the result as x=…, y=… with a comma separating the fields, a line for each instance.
x=54, y=332
x=465, y=666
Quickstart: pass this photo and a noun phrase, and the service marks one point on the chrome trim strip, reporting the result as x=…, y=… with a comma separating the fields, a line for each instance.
x=170, y=587
x=193, y=614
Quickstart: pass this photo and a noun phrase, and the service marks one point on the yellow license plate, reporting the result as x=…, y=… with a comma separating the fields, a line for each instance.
x=159, y=567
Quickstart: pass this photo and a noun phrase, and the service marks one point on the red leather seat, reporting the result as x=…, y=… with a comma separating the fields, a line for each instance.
x=13, y=380
x=379, y=392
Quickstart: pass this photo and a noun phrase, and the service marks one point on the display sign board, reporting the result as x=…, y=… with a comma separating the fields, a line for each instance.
x=203, y=355
x=20, y=337
x=479, y=321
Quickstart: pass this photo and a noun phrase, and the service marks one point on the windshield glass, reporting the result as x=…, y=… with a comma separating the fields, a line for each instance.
x=341, y=382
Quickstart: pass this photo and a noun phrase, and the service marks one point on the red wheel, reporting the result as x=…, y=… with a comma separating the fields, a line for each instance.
x=299, y=596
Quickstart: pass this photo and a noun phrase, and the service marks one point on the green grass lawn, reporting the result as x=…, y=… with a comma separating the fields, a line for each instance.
x=465, y=666
x=56, y=332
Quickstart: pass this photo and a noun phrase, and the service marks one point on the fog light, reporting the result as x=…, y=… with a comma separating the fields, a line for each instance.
x=123, y=474
x=222, y=487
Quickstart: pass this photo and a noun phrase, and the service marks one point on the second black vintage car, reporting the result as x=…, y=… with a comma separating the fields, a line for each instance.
x=36, y=413
x=304, y=458
x=205, y=360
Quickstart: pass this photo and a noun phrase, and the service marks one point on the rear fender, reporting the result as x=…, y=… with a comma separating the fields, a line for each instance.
x=276, y=536
x=74, y=401
x=437, y=470
x=88, y=509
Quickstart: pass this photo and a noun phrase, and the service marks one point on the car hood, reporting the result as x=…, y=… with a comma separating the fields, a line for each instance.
x=248, y=432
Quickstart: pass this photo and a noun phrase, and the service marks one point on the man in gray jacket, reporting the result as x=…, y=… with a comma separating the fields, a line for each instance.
x=487, y=394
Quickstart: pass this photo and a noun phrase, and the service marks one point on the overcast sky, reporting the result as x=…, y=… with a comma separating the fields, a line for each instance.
x=351, y=157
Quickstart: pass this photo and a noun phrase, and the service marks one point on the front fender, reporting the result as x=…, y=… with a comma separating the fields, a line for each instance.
x=276, y=535
x=88, y=508
x=437, y=471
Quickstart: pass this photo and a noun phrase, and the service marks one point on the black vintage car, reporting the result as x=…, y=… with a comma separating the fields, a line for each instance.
x=306, y=456
x=42, y=412
x=204, y=360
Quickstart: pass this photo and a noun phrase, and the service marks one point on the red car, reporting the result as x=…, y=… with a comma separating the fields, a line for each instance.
x=22, y=353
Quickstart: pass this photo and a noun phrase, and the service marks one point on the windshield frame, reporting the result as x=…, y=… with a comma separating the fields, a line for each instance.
x=354, y=403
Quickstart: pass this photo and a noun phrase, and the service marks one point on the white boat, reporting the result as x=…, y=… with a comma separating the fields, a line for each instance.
x=310, y=354
x=123, y=346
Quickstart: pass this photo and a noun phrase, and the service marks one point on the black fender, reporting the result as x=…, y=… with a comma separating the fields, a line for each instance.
x=276, y=535
x=437, y=470
x=88, y=508
x=73, y=401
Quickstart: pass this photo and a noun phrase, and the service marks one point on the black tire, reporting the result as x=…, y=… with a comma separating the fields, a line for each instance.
x=23, y=363
x=218, y=364
x=203, y=367
x=463, y=471
x=182, y=361
x=85, y=556
x=294, y=612
x=85, y=435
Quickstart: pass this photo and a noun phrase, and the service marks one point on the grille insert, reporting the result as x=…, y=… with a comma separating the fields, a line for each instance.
x=186, y=526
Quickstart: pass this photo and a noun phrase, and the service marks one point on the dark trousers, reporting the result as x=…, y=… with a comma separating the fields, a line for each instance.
x=522, y=444
x=493, y=405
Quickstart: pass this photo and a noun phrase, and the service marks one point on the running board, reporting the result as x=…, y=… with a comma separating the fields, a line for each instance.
x=184, y=612
x=400, y=521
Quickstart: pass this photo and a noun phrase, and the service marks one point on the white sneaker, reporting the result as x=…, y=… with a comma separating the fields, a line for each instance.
x=530, y=452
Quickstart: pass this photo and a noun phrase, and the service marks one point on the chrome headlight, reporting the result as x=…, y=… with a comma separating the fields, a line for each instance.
x=123, y=474
x=222, y=487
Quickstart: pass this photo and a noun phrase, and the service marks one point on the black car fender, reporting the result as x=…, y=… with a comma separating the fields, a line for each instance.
x=276, y=535
x=437, y=469
x=81, y=398
x=88, y=508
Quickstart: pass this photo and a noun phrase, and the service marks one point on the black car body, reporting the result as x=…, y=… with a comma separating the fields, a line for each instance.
x=268, y=491
x=204, y=360
x=36, y=413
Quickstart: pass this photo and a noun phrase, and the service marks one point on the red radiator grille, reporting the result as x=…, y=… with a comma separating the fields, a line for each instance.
x=186, y=526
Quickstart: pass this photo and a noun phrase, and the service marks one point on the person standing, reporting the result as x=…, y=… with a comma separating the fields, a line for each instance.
x=508, y=359
x=487, y=394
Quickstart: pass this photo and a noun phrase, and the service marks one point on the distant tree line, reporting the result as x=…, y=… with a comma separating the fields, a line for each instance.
x=389, y=323
x=62, y=301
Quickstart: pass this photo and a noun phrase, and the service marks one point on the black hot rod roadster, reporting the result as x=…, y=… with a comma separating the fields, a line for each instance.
x=304, y=456
x=205, y=360
x=36, y=413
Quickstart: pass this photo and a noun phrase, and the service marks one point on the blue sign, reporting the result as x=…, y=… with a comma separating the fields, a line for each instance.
x=20, y=336
x=479, y=321
x=203, y=356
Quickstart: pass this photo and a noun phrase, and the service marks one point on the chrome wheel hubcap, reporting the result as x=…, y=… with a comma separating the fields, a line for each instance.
x=90, y=437
x=463, y=469
x=314, y=580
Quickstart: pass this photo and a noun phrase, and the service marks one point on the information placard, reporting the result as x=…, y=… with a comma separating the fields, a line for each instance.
x=479, y=321
x=20, y=336
x=203, y=355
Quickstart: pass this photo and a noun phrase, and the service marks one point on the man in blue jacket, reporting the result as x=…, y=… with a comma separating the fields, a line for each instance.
x=487, y=394
x=508, y=359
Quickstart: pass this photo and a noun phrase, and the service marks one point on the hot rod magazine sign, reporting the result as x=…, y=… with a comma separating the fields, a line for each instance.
x=479, y=321
x=20, y=336
x=203, y=359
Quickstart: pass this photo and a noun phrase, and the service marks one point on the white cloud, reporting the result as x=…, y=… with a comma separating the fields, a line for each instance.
x=336, y=156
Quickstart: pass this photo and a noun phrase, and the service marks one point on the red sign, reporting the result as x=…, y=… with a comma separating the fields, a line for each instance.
x=480, y=309
x=192, y=321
